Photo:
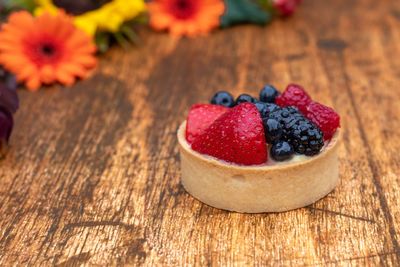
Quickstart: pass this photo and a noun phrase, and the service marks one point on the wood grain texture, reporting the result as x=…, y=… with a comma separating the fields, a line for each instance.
x=92, y=177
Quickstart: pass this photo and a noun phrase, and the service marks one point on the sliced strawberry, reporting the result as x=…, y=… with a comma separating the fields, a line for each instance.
x=200, y=118
x=324, y=117
x=237, y=136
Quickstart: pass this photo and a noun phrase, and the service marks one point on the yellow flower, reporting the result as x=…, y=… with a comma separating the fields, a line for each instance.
x=108, y=17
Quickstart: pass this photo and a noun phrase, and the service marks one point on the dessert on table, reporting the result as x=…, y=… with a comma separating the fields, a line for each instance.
x=273, y=153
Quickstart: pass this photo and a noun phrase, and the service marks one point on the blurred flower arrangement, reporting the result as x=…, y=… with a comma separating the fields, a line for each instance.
x=43, y=42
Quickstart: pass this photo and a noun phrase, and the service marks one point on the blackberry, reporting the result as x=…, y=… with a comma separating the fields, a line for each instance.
x=265, y=108
x=273, y=130
x=272, y=107
x=306, y=138
x=223, y=98
x=303, y=135
x=245, y=98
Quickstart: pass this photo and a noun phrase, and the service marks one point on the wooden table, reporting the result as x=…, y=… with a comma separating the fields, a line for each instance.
x=92, y=176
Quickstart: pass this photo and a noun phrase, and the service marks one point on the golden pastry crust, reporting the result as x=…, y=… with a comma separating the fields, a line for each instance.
x=261, y=188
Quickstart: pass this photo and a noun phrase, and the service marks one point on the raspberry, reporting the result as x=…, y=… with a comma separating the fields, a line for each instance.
x=294, y=95
x=324, y=117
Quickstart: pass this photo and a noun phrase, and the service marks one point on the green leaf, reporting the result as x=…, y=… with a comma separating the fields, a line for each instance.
x=130, y=34
x=19, y=4
x=244, y=11
x=122, y=40
x=268, y=6
x=102, y=40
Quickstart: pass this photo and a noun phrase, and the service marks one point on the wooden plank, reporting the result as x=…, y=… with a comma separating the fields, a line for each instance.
x=93, y=173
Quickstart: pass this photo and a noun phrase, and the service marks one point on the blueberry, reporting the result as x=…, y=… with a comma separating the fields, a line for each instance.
x=273, y=130
x=223, y=98
x=262, y=108
x=281, y=151
x=245, y=98
x=268, y=94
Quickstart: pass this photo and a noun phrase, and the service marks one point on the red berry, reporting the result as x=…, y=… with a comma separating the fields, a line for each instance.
x=324, y=117
x=200, y=117
x=296, y=96
x=286, y=7
x=237, y=136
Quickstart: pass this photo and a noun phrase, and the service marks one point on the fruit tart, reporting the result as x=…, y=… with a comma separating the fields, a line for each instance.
x=275, y=153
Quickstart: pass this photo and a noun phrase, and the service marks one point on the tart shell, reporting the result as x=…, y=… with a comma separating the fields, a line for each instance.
x=258, y=188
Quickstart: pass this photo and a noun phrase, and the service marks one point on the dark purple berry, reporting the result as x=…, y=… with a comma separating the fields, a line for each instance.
x=223, y=98
x=8, y=105
x=281, y=151
x=6, y=126
x=273, y=130
x=266, y=108
x=268, y=94
x=245, y=98
x=262, y=108
x=272, y=107
x=303, y=135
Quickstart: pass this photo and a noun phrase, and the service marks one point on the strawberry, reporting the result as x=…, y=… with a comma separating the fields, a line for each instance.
x=200, y=118
x=324, y=117
x=237, y=136
x=294, y=95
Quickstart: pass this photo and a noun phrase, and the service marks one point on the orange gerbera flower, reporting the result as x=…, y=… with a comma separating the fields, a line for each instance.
x=186, y=17
x=45, y=50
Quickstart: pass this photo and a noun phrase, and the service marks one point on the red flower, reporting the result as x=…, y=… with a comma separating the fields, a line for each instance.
x=286, y=7
x=186, y=17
